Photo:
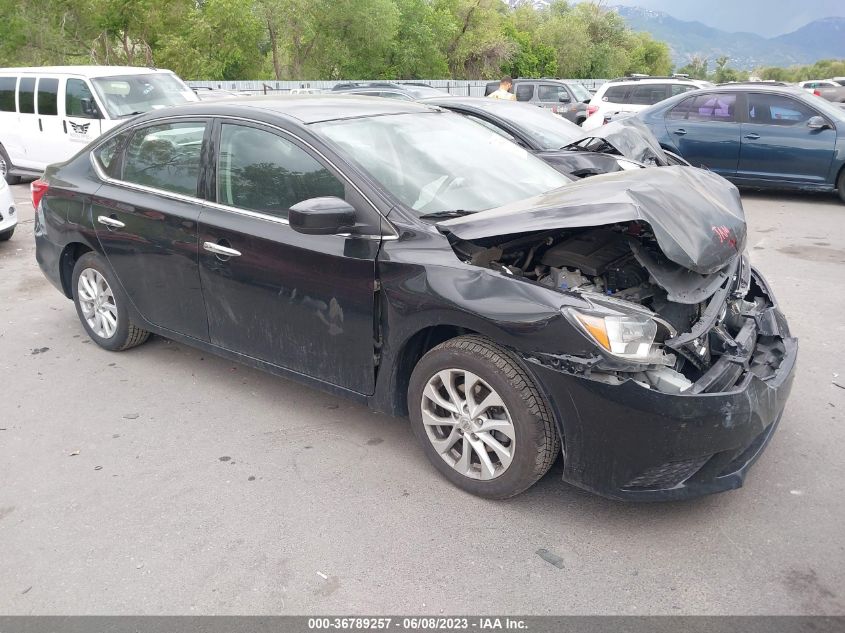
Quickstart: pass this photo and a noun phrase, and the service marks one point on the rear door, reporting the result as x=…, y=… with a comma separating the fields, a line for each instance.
x=145, y=217
x=49, y=144
x=29, y=131
x=302, y=302
x=705, y=130
x=777, y=144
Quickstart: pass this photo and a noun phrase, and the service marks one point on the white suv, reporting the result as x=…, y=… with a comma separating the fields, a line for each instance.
x=629, y=95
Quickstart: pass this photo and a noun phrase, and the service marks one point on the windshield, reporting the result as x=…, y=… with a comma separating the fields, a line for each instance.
x=580, y=92
x=435, y=162
x=134, y=94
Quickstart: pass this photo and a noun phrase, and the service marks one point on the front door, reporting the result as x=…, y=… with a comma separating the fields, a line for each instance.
x=82, y=121
x=778, y=145
x=302, y=302
x=146, y=221
x=706, y=131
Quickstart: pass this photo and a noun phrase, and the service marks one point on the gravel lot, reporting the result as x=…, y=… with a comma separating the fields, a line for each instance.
x=205, y=487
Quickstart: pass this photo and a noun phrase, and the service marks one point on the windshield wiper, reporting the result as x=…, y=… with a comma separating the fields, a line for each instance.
x=440, y=215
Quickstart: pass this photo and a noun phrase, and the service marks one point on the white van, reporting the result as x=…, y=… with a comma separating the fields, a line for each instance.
x=48, y=114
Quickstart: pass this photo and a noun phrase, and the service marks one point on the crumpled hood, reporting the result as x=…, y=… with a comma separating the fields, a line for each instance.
x=696, y=215
x=632, y=138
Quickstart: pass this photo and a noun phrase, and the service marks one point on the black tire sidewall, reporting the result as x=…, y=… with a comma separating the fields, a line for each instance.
x=522, y=472
x=10, y=180
x=840, y=185
x=121, y=334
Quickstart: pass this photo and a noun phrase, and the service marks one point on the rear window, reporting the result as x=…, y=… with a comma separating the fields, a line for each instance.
x=616, y=94
x=7, y=94
x=48, y=96
x=524, y=92
x=647, y=94
x=166, y=157
x=706, y=107
x=26, y=95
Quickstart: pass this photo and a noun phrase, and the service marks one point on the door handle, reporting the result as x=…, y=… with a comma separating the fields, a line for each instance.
x=752, y=136
x=680, y=131
x=64, y=125
x=112, y=223
x=219, y=249
x=40, y=128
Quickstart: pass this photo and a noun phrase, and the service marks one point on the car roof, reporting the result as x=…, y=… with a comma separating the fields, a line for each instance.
x=84, y=71
x=305, y=108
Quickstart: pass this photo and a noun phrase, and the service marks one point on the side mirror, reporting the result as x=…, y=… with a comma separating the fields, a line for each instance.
x=817, y=123
x=90, y=109
x=564, y=98
x=322, y=216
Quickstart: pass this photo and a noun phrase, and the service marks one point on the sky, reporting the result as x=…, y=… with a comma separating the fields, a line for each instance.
x=765, y=17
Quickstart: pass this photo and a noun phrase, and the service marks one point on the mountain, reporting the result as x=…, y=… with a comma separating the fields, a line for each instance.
x=820, y=39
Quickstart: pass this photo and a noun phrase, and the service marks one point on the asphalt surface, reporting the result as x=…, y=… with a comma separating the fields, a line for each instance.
x=164, y=480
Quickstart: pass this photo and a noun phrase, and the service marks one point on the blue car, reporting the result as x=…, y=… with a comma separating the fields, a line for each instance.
x=756, y=135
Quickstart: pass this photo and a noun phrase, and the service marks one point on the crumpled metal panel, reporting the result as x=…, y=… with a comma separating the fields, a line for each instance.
x=696, y=215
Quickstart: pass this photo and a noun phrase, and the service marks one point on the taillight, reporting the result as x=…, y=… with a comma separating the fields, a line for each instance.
x=591, y=110
x=38, y=188
x=817, y=92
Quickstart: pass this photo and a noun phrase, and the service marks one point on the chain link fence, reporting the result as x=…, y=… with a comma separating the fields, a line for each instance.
x=474, y=88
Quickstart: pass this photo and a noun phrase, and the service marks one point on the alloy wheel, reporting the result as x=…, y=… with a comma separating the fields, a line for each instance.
x=97, y=302
x=4, y=168
x=468, y=424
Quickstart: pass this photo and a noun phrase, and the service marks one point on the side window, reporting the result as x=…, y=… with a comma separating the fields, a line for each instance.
x=48, y=96
x=260, y=171
x=7, y=94
x=615, y=94
x=647, y=94
x=166, y=156
x=79, y=102
x=524, y=92
x=712, y=107
x=551, y=93
x=774, y=109
x=107, y=154
x=26, y=95
x=679, y=89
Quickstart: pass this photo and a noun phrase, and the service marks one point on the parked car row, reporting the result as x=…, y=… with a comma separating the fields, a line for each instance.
x=449, y=260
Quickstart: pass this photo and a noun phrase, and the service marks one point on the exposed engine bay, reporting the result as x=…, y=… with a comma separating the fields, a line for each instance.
x=703, y=323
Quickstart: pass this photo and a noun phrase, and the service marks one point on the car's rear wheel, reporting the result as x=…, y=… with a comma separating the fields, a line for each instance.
x=5, y=166
x=101, y=306
x=840, y=187
x=480, y=418
x=6, y=235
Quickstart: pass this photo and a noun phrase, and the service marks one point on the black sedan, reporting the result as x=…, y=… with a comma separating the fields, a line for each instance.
x=626, y=144
x=410, y=259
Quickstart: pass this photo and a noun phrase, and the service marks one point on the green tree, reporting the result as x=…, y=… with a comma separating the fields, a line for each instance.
x=696, y=68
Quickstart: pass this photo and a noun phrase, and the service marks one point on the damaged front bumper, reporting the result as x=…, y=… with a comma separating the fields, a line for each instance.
x=631, y=441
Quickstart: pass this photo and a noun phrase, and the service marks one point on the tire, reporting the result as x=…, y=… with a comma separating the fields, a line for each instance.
x=5, y=236
x=5, y=166
x=534, y=444
x=121, y=335
x=840, y=186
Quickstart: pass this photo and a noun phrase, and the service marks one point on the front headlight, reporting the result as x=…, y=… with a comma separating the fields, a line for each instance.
x=629, y=336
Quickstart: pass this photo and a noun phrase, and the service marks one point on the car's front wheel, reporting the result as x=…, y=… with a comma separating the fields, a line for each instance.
x=6, y=235
x=480, y=418
x=101, y=306
x=840, y=186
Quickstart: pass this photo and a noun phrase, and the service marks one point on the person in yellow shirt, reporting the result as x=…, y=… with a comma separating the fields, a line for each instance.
x=504, y=91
